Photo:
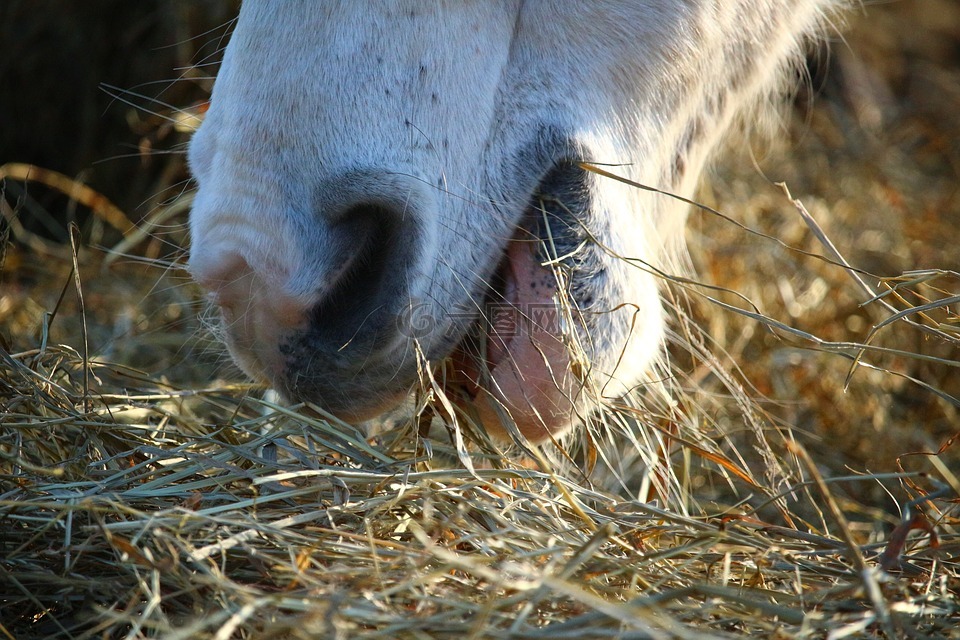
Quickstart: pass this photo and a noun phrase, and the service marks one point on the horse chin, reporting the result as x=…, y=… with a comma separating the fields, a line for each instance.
x=516, y=367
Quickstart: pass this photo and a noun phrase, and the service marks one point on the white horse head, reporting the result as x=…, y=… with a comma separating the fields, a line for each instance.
x=386, y=184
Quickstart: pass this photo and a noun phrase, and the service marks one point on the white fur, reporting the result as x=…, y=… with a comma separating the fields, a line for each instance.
x=441, y=103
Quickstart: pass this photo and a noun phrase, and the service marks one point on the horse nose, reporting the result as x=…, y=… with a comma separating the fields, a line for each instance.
x=222, y=272
x=235, y=287
x=255, y=311
x=341, y=274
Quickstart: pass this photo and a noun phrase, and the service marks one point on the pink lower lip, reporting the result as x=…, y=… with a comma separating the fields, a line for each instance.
x=527, y=363
x=502, y=327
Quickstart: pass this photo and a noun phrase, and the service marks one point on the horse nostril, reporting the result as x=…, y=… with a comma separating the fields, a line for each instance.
x=372, y=272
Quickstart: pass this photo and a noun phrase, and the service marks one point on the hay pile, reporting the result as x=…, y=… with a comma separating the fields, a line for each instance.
x=146, y=492
x=134, y=509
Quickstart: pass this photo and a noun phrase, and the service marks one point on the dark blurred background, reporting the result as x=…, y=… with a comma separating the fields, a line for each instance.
x=89, y=86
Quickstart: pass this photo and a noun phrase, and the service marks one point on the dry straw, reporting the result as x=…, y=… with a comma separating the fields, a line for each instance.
x=167, y=513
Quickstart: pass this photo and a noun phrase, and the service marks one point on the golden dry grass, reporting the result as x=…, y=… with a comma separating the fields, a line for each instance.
x=790, y=484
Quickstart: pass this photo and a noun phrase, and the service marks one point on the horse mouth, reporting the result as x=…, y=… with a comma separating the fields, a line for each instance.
x=516, y=366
